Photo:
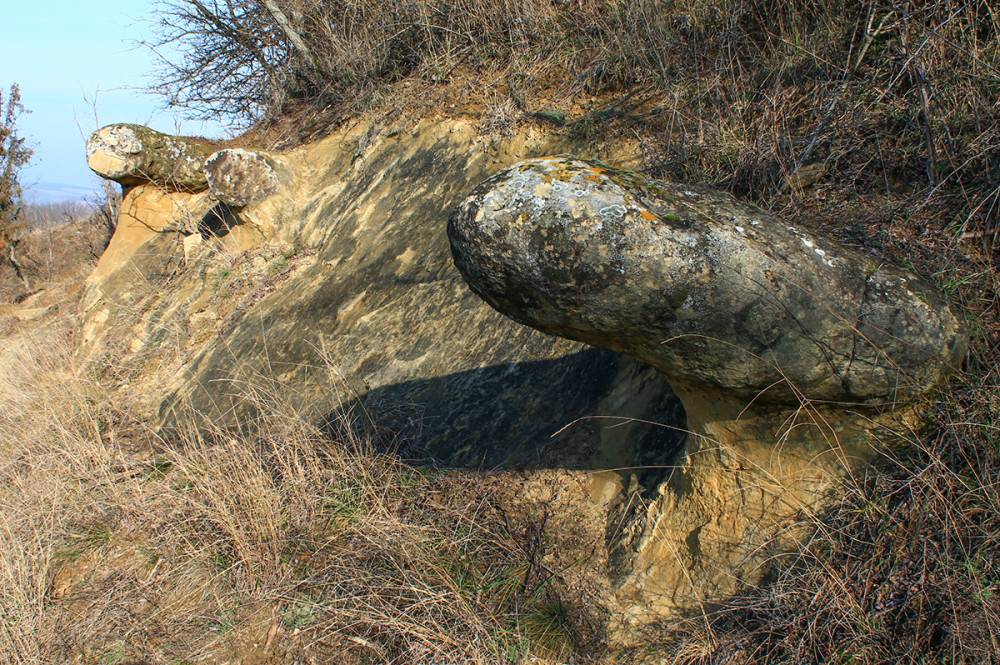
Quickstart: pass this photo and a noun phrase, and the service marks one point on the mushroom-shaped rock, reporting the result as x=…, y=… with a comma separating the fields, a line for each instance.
x=134, y=154
x=239, y=177
x=764, y=330
x=712, y=292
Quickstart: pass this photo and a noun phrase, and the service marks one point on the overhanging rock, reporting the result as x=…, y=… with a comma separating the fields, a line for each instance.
x=134, y=155
x=782, y=344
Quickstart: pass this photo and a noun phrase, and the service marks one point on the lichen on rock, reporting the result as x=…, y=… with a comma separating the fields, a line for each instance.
x=134, y=154
x=783, y=346
x=710, y=291
x=238, y=177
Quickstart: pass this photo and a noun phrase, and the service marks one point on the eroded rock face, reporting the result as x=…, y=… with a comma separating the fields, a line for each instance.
x=133, y=155
x=331, y=277
x=782, y=346
x=332, y=285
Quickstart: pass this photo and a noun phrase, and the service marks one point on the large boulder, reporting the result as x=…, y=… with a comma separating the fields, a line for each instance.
x=782, y=345
x=715, y=293
x=133, y=155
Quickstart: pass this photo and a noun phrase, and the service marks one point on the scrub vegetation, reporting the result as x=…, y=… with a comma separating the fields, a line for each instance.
x=896, y=100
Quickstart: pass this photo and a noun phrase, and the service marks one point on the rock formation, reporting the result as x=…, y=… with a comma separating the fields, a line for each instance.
x=779, y=342
x=133, y=155
x=324, y=276
x=327, y=272
x=238, y=177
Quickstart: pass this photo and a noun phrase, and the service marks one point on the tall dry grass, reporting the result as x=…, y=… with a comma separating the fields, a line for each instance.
x=290, y=544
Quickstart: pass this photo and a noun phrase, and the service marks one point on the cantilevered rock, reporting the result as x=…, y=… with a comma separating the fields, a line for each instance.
x=134, y=154
x=715, y=293
x=783, y=346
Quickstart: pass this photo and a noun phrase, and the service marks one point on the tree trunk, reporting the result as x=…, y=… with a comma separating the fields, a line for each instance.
x=312, y=64
x=18, y=268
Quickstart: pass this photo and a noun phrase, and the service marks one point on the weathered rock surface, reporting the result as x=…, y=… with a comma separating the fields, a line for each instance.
x=337, y=287
x=133, y=155
x=712, y=292
x=145, y=249
x=778, y=342
x=337, y=292
x=238, y=177
x=331, y=287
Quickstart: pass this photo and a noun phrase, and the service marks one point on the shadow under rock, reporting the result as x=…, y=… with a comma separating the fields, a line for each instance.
x=591, y=410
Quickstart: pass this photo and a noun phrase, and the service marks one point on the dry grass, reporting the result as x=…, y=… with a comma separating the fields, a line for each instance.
x=815, y=100
x=302, y=544
x=290, y=544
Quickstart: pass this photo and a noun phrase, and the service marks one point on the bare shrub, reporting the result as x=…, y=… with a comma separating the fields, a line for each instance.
x=14, y=156
x=57, y=256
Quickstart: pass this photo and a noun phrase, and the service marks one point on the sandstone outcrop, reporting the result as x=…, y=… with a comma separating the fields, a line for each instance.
x=323, y=277
x=328, y=273
x=780, y=344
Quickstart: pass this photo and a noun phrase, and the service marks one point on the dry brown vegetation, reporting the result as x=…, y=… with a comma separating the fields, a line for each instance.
x=290, y=545
x=300, y=544
x=896, y=101
x=295, y=544
x=57, y=250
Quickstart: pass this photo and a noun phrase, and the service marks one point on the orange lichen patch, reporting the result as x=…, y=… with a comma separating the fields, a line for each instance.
x=648, y=216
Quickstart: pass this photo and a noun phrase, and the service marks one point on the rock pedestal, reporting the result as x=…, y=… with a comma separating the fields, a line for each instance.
x=781, y=344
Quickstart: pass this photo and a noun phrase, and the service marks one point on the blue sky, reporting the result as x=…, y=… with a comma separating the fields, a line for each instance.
x=65, y=54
